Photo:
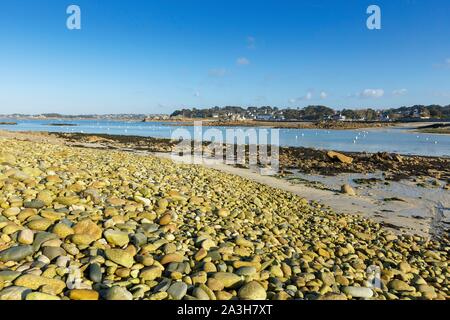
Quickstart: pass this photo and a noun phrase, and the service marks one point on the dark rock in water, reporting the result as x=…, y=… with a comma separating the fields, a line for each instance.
x=16, y=253
x=95, y=273
x=62, y=124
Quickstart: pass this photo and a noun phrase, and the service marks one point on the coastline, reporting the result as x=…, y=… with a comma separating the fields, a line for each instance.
x=409, y=214
x=136, y=221
x=331, y=125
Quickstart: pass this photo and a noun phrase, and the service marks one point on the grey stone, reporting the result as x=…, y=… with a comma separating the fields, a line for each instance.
x=16, y=253
x=41, y=237
x=14, y=293
x=8, y=275
x=177, y=290
x=36, y=204
x=95, y=273
x=358, y=292
x=118, y=293
x=53, y=252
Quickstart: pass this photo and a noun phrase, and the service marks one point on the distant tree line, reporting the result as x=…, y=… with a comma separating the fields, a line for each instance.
x=319, y=112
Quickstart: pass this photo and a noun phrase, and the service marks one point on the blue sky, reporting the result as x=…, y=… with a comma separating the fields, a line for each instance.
x=142, y=56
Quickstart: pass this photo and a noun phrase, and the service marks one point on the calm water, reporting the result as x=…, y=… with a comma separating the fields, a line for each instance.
x=390, y=139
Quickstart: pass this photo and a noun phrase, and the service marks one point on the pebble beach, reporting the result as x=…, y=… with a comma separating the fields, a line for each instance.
x=88, y=224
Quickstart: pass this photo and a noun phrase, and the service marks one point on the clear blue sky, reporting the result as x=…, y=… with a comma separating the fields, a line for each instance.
x=142, y=56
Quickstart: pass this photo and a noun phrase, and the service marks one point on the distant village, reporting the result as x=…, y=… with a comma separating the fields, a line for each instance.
x=268, y=113
x=316, y=113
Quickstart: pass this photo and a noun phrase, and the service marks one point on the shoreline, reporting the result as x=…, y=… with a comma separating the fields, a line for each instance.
x=330, y=125
x=282, y=124
x=408, y=214
x=138, y=221
x=307, y=160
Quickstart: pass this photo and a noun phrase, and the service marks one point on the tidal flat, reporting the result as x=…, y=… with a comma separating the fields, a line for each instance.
x=88, y=224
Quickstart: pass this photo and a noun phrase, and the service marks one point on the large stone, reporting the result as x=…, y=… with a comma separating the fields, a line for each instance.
x=41, y=224
x=347, y=189
x=82, y=239
x=150, y=273
x=120, y=257
x=252, y=291
x=46, y=197
x=16, y=253
x=340, y=157
x=327, y=278
x=34, y=282
x=358, y=292
x=41, y=296
x=200, y=294
x=8, y=276
x=427, y=291
x=228, y=279
x=171, y=257
x=95, y=273
x=117, y=238
x=118, y=293
x=222, y=212
x=25, y=236
x=67, y=201
x=88, y=227
x=14, y=293
x=11, y=212
x=35, y=204
x=214, y=284
x=240, y=241
x=62, y=230
x=7, y=158
x=83, y=294
x=41, y=237
x=165, y=219
x=399, y=285
x=177, y=290
x=53, y=252
x=246, y=271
